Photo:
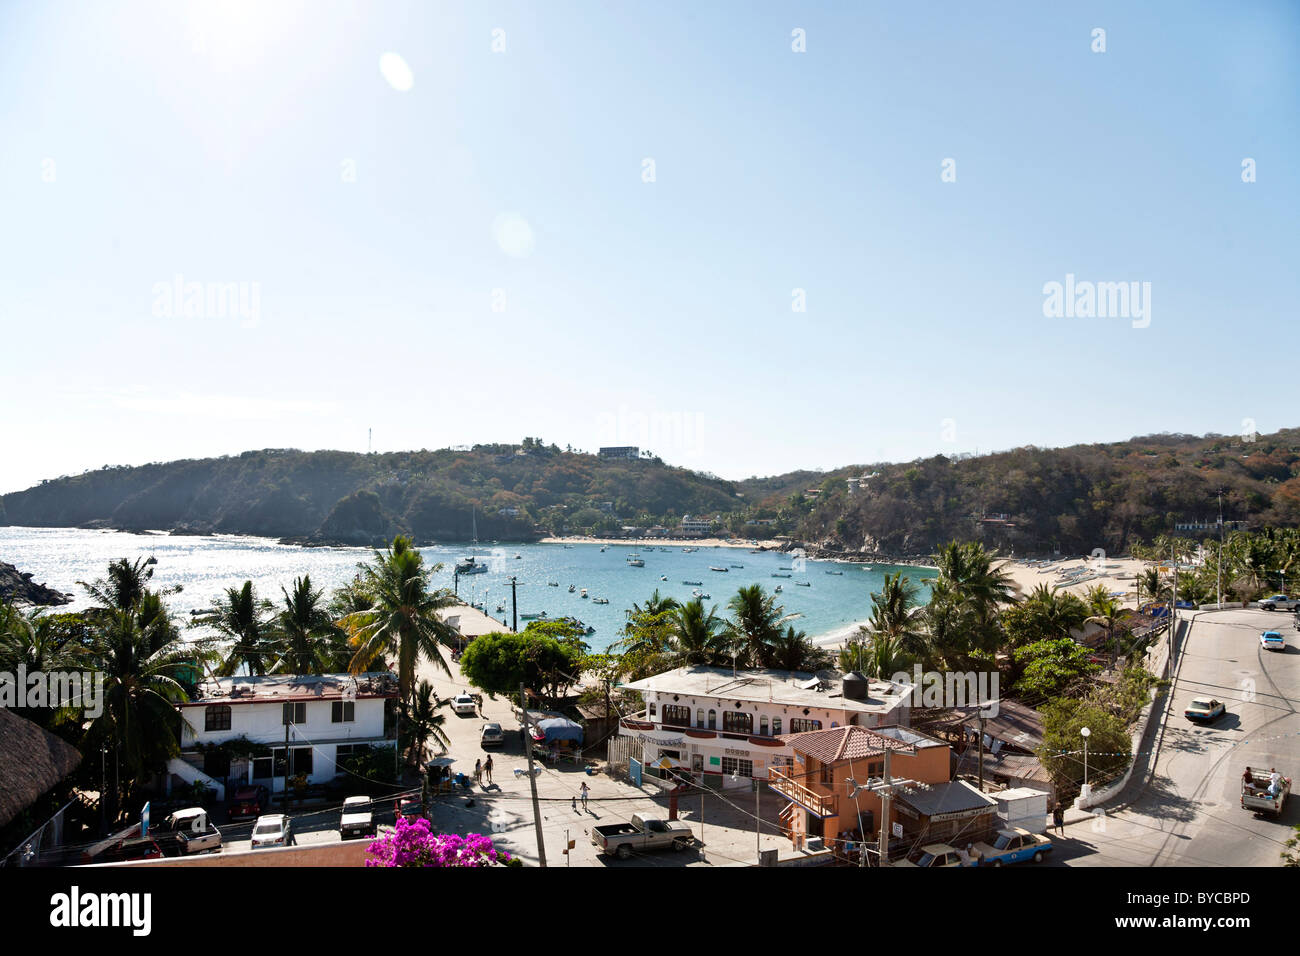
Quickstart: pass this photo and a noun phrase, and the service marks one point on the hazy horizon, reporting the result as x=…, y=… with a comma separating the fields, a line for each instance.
x=801, y=238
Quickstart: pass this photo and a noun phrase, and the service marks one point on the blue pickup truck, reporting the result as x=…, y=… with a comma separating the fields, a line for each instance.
x=1013, y=845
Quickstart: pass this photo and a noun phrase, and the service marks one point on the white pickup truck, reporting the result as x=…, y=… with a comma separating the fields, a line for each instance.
x=192, y=831
x=1261, y=794
x=624, y=839
x=357, y=819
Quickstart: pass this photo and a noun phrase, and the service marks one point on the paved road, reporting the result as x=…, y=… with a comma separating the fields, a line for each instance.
x=1186, y=811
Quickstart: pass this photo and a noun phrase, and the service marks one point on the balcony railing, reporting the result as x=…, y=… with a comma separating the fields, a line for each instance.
x=819, y=804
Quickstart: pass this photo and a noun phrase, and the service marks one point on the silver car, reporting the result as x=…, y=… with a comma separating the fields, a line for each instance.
x=491, y=735
x=274, y=829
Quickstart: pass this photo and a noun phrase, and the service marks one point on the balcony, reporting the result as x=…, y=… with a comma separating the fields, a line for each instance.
x=815, y=803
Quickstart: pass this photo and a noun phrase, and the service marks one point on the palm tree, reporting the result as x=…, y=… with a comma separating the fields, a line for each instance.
x=1151, y=584
x=306, y=637
x=875, y=655
x=656, y=604
x=793, y=651
x=967, y=573
x=756, y=623
x=403, y=621
x=141, y=689
x=421, y=720
x=126, y=585
x=696, y=635
x=1106, y=611
x=244, y=618
x=894, y=615
x=28, y=640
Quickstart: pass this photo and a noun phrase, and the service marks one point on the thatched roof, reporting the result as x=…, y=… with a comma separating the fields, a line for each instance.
x=32, y=761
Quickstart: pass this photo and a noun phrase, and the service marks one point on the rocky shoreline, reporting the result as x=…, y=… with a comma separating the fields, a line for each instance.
x=18, y=587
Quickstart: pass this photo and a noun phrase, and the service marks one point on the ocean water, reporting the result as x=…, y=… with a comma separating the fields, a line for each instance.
x=831, y=606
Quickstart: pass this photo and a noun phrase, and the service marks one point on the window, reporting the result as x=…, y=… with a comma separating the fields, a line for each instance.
x=699, y=717
x=653, y=708
x=302, y=761
x=740, y=768
x=343, y=711
x=677, y=715
x=783, y=764
x=762, y=725
x=262, y=768
x=738, y=722
x=828, y=775
x=776, y=726
x=713, y=719
x=798, y=725
x=216, y=717
x=294, y=714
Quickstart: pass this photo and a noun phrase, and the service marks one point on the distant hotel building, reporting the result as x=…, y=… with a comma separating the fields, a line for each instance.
x=696, y=525
x=621, y=451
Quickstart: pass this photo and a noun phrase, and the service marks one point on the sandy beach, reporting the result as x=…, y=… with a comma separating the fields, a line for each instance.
x=1118, y=575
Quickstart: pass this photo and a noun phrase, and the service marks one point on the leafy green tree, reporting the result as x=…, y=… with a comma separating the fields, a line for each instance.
x=498, y=663
x=875, y=655
x=1051, y=667
x=894, y=616
x=793, y=651
x=1047, y=613
x=1109, y=745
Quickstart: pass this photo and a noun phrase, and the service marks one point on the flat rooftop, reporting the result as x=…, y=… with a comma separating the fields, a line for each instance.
x=778, y=687
x=294, y=687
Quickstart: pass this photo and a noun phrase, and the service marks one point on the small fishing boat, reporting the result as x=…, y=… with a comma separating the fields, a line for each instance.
x=737, y=565
x=552, y=584
x=778, y=589
x=775, y=575
x=692, y=582
x=835, y=572
x=663, y=577
x=600, y=600
x=572, y=588
x=584, y=593
x=533, y=617
x=802, y=584
x=634, y=561
x=714, y=567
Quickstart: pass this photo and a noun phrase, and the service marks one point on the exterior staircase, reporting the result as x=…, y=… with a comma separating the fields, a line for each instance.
x=176, y=767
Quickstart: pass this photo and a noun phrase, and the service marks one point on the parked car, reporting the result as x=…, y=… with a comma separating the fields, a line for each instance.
x=624, y=839
x=139, y=848
x=491, y=735
x=274, y=829
x=464, y=704
x=937, y=854
x=248, y=802
x=409, y=807
x=1279, y=602
x=1272, y=641
x=1204, y=708
x=1012, y=845
x=192, y=830
x=356, y=819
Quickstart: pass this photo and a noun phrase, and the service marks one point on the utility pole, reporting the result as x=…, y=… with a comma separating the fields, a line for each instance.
x=1220, y=584
x=284, y=800
x=514, y=606
x=1173, y=608
x=884, y=813
x=981, y=717
x=532, y=780
x=758, y=822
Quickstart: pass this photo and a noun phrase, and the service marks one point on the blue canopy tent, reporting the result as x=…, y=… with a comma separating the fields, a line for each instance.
x=559, y=728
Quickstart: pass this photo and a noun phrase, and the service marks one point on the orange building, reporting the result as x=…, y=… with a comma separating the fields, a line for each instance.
x=817, y=778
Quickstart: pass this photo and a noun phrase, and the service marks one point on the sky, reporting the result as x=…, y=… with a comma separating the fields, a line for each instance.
x=748, y=238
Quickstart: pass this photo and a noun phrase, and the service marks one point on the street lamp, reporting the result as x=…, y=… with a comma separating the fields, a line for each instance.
x=1086, y=734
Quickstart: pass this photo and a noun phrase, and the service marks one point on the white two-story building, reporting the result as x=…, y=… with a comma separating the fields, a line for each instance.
x=722, y=728
x=323, y=717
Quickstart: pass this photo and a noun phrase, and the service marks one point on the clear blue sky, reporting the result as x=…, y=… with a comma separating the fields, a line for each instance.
x=142, y=141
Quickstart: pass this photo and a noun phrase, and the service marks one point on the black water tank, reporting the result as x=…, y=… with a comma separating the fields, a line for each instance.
x=856, y=686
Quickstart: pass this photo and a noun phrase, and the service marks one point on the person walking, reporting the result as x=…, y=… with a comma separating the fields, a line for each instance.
x=478, y=770
x=585, y=790
x=1058, y=818
x=487, y=769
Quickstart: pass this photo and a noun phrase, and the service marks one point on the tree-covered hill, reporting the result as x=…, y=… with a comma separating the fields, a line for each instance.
x=516, y=493
x=1032, y=500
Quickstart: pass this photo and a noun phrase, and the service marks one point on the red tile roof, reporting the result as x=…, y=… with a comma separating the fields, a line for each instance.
x=840, y=743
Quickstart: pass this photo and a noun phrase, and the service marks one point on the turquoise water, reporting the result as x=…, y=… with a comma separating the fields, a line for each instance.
x=206, y=565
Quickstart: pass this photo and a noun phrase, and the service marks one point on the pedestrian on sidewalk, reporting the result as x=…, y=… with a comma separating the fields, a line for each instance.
x=1058, y=818
x=487, y=769
x=478, y=770
x=585, y=790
